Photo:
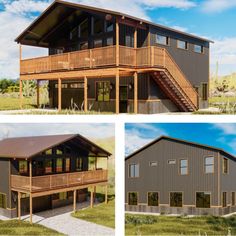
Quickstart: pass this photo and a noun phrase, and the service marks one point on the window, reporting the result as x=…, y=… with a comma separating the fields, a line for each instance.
x=109, y=26
x=134, y=170
x=152, y=163
x=63, y=196
x=48, y=166
x=67, y=164
x=203, y=200
x=63, y=86
x=183, y=167
x=233, y=199
x=77, y=85
x=224, y=199
x=83, y=46
x=171, y=162
x=59, y=152
x=109, y=41
x=153, y=199
x=198, y=48
x=3, y=201
x=161, y=39
x=176, y=199
x=79, y=164
x=23, y=167
x=129, y=40
x=83, y=29
x=103, y=91
x=133, y=198
x=97, y=26
x=182, y=44
x=204, y=91
x=225, y=166
x=48, y=152
x=59, y=164
x=209, y=165
x=97, y=43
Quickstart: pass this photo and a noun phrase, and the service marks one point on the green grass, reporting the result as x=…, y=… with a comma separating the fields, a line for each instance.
x=13, y=103
x=213, y=100
x=102, y=214
x=15, y=227
x=168, y=225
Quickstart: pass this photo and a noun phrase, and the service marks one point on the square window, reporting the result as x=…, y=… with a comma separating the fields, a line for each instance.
x=153, y=199
x=176, y=199
x=133, y=198
x=161, y=39
x=203, y=200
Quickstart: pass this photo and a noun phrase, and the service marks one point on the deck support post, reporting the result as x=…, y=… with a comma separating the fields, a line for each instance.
x=59, y=94
x=21, y=94
x=135, y=45
x=117, y=92
x=106, y=192
x=74, y=202
x=38, y=83
x=117, y=42
x=135, y=92
x=30, y=184
x=19, y=205
x=85, y=94
x=31, y=208
x=91, y=197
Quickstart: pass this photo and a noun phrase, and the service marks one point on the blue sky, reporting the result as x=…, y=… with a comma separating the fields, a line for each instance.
x=213, y=19
x=221, y=135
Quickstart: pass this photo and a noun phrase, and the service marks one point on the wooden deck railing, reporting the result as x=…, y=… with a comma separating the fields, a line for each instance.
x=57, y=181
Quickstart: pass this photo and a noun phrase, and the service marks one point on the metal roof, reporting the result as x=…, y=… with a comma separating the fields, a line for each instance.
x=181, y=141
x=27, y=147
x=57, y=14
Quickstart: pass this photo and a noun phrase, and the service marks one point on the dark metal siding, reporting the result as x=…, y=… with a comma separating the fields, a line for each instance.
x=165, y=178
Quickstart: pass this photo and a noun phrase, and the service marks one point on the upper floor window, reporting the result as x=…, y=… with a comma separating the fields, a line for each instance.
x=161, y=39
x=103, y=91
x=176, y=199
x=225, y=166
x=79, y=164
x=3, y=201
x=204, y=91
x=97, y=43
x=67, y=164
x=109, y=41
x=134, y=170
x=97, y=27
x=133, y=198
x=48, y=166
x=171, y=162
x=49, y=152
x=109, y=26
x=203, y=200
x=153, y=199
x=59, y=165
x=152, y=163
x=182, y=44
x=209, y=165
x=198, y=48
x=83, y=29
x=183, y=167
x=23, y=167
x=59, y=152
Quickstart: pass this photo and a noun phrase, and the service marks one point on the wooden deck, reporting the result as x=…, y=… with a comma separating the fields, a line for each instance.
x=57, y=181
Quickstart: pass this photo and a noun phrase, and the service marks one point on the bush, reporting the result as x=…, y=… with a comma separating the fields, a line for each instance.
x=139, y=220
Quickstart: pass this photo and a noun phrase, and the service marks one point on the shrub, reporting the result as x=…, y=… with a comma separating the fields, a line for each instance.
x=139, y=220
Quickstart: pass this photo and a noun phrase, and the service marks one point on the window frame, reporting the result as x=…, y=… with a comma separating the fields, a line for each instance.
x=209, y=193
x=182, y=194
x=224, y=200
x=168, y=162
x=129, y=172
x=233, y=202
x=204, y=96
x=103, y=93
x=197, y=45
x=81, y=163
x=163, y=44
x=153, y=162
x=27, y=167
x=227, y=166
x=186, y=44
x=204, y=166
x=129, y=199
x=183, y=167
x=158, y=198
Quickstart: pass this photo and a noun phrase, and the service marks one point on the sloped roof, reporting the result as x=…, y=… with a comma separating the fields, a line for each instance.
x=182, y=141
x=27, y=147
x=59, y=11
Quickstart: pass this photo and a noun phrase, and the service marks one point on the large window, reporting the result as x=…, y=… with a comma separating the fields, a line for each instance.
x=176, y=199
x=59, y=165
x=204, y=91
x=209, y=165
x=198, y=48
x=182, y=44
x=134, y=170
x=48, y=166
x=83, y=29
x=3, y=201
x=67, y=164
x=109, y=26
x=203, y=200
x=224, y=199
x=23, y=167
x=103, y=91
x=79, y=164
x=225, y=166
x=98, y=26
x=233, y=199
x=48, y=152
x=153, y=199
x=161, y=39
x=133, y=198
x=183, y=167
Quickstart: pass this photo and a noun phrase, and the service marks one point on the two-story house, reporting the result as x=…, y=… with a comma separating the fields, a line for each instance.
x=43, y=172
x=108, y=61
x=173, y=176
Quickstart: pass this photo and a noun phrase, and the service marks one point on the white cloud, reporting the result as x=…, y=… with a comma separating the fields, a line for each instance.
x=226, y=128
x=212, y=6
x=180, y=28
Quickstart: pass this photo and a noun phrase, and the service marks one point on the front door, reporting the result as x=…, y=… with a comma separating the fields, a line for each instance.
x=123, y=99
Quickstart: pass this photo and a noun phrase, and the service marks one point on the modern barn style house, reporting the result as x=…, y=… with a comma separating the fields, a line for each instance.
x=44, y=172
x=108, y=61
x=173, y=176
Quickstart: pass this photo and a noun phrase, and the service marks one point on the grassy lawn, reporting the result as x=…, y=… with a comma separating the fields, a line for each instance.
x=15, y=227
x=102, y=214
x=167, y=225
x=13, y=103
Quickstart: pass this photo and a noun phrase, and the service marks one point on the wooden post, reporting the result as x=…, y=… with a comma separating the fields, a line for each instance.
x=106, y=191
x=91, y=198
x=94, y=193
x=20, y=57
x=117, y=92
x=85, y=94
x=152, y=56
x=38, y=93
x=149, y=38
x=135, y=45
x=21, y=94
x=59, y=94
x=74, y=202
x=31, y=208
x=31, y=199
x=135, y=92
x=19, y=205
x=117, y=42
